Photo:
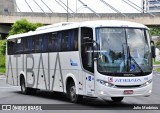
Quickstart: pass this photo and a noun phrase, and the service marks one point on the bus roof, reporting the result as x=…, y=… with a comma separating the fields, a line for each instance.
x=92, y=24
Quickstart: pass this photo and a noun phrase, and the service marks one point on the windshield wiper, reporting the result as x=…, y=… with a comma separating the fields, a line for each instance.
x=131, y=58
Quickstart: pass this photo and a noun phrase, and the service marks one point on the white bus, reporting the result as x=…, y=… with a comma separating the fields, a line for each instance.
x=102, y=59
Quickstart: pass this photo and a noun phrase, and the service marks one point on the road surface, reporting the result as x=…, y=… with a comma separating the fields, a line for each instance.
x=12, y=95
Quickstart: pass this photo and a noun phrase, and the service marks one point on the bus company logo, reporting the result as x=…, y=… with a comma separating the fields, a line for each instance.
x=128, y=80
x=110, y=79
x=73, y=63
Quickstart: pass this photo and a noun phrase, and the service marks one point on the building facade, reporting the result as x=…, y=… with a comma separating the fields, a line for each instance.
x=7, y=6
x=151, y=6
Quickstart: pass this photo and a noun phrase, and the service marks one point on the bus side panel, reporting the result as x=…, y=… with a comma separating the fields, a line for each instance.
x=9, y=72
x=42, y=71
x=36, y=66
x=54, y=72
x=11, y=69
x=81, y=83
x=89, y=84
x=70, y=66
x=29, y=69
x=19, y=66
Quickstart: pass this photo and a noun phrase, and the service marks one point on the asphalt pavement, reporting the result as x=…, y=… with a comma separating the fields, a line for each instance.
x=12, y=95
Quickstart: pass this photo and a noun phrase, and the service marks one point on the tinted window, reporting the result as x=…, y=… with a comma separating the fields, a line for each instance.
x=19, y=46
x=52, y=42
x=66, y=40
x=73, y=40
x=86, y=48
x=26, y=47
x=11, y=45
x=70, y=40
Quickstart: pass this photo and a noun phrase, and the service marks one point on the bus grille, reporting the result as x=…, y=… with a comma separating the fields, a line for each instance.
x=133, y=86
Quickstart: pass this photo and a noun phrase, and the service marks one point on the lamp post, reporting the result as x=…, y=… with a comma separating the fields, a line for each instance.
x=67, y=10
x=81, y=7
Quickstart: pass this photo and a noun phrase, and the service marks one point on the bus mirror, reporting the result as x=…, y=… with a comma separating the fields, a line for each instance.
x=89, y=56
x=95, y=54
x=92, y=47
x=153, y=49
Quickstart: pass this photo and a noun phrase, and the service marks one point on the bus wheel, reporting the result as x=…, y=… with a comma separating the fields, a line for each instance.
x=24, y=89
x=23, y=85
x=117, y=99
x=71, y=91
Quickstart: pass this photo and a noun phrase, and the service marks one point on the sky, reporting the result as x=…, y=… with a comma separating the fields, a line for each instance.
x=78, y=7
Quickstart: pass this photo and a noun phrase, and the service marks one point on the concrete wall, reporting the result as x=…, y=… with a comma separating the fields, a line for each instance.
x=7, y=6
x=61, y=17
x=4, y=29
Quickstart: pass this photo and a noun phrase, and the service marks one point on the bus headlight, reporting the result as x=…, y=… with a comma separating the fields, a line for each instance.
x=105, y=83
x=146, y=83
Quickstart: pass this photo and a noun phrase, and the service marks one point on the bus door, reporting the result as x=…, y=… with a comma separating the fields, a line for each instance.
x=87, y=59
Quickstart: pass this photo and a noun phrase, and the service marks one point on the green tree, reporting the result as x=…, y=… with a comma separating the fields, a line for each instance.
x=155, y=31
x=23, y=26
x=20, y=26
x=0, y=37
x=2, y=46
x=2, y=53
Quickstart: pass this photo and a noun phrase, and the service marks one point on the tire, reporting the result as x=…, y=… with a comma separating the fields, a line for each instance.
x=71, y=93
x=24, y=89
x=23, y=86
x=117, y=99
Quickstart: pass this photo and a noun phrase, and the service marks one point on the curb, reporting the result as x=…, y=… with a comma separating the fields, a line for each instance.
x=156, y=65
x=2, y=75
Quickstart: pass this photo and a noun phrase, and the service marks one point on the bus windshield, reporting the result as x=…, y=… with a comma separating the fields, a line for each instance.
x=124, y=50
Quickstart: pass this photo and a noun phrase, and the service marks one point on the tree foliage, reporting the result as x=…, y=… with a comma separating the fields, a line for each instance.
x=157, y=44
x=155, y=31
x=20, y=26
x=2, y=46
x=23, y=26
x=2, y=52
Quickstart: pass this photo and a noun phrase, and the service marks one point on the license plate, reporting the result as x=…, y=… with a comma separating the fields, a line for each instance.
x=128, y=92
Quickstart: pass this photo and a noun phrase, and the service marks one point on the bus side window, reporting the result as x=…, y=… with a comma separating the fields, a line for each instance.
x=11, y=45
x=59, y=39
x=30, y=45
x=72, y=44
x=86, y=49
x=40, y=43
x=54, y=42
x=64, y=43
x=70, y=40
x=75, y=43
x=37, y=43
x=44, y=43
x=49, y=48
x=19, y=46
x=25, y=49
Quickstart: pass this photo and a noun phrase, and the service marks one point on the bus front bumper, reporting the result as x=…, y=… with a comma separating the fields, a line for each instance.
x=104, y=92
